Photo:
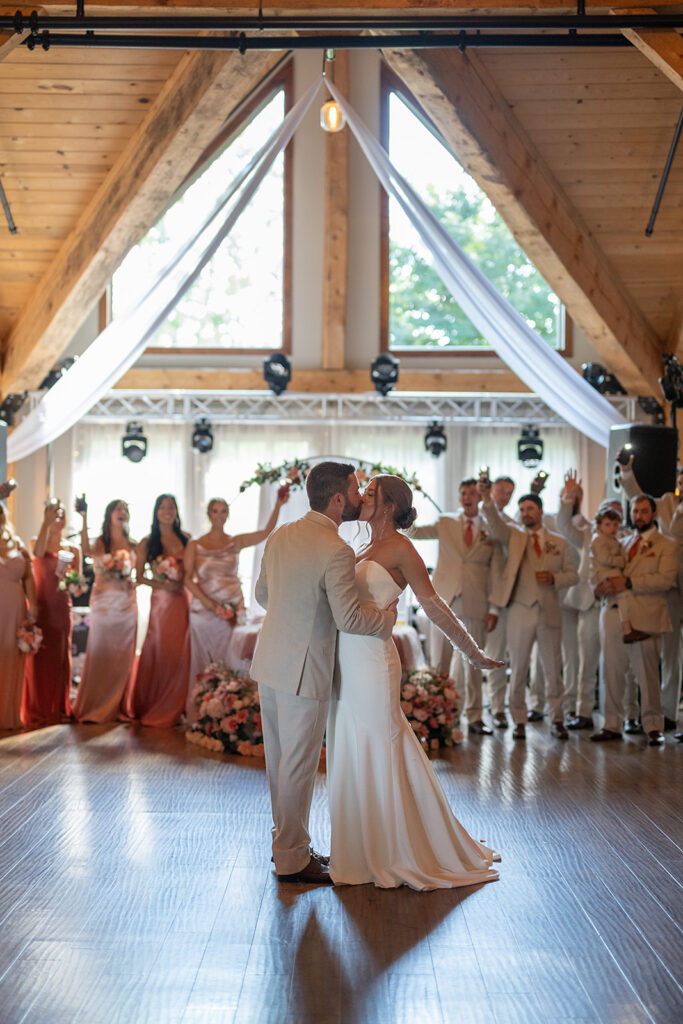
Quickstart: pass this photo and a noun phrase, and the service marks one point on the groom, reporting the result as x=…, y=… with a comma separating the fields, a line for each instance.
x=307, y=584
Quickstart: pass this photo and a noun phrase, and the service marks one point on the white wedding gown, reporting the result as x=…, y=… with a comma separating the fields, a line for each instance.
x=391, y=822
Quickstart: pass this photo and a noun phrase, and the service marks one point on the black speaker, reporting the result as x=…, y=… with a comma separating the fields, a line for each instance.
x=655, y=458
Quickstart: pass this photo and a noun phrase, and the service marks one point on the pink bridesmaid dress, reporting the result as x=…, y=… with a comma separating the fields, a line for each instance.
x=110, y=654
x=12, y=661
x=47, y=685
x=159, y=691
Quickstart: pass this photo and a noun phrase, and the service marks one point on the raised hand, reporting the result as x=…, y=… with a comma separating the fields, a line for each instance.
x=6, y=489
x=483, y=487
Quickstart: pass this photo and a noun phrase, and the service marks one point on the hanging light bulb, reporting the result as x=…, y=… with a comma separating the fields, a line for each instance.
x=331, y=116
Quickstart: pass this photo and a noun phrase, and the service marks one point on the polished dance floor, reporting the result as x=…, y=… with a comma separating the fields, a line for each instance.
x=136, y=886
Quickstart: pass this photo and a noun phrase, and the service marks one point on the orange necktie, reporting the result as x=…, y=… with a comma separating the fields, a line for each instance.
x=633, y=550
x=537, y=545
x=468, y=533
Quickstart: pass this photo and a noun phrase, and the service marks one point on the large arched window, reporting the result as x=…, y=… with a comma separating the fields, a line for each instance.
x=240, y=302
x=419, y=315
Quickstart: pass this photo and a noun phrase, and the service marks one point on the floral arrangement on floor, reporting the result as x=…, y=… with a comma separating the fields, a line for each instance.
x=228, y=712
x=29, y=637
x=166, y=569
x=73, y=583
x=430, y=703
x=118, y=565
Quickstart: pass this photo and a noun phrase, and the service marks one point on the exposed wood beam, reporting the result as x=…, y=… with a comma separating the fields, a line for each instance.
x=182, y=121
x=324, y=381
x=335, y=259
x=663, y=49
x=460, y=96
x=348, y=7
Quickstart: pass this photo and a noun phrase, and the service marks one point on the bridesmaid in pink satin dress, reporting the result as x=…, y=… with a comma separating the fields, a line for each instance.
x=17, y=603
x=48, y=684
x=110, y=654
x=211, y=564
x=159, y=691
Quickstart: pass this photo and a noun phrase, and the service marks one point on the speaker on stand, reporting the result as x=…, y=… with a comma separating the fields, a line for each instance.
x=655, y=459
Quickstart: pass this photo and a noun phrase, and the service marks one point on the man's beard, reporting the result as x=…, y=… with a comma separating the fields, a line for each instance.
x=643, y=527
x=350, y=513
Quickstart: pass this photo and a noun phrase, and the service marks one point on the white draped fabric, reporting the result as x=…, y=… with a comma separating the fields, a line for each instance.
x=126, y=337
x=542, y=369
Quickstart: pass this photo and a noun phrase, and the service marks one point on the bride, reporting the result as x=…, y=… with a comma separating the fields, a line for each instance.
x=391, y=822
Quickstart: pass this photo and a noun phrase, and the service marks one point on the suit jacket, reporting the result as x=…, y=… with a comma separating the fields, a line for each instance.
x=669, y=515
x=512, y=585
x=578, y=531
x=652, y=571
x=461, y=571
x=307, y=585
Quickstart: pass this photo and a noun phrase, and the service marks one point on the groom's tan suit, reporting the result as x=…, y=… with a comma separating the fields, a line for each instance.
x=307, y=586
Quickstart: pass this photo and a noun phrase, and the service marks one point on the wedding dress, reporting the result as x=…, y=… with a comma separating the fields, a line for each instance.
x=391, y=822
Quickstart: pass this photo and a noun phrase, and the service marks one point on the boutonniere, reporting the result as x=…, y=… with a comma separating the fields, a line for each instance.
x=645, y=546
x=483, y=535
x=550, y=548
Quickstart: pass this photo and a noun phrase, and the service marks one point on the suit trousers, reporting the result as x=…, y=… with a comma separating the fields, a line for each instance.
x=643, y=658
x=536, y=682
x=588, y=637
x=671, y=657
x=524, y=626
x=293, y=730
x=496, y=648
x=469, y=679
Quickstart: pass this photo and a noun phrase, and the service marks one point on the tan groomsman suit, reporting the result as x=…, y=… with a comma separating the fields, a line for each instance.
x=307, y=585
x=461, y=578
x=652, y=570
x=534, y=612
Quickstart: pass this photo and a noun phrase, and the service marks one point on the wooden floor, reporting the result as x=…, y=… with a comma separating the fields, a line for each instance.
x=136, y=886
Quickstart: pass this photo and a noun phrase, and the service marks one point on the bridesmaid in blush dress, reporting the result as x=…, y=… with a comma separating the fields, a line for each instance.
x=48, y=682
x=17, y=603
x=110, y=654
x=159, y=691
x=211, y=564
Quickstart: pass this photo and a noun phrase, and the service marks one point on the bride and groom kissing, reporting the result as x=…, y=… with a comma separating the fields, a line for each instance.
x=325, y=659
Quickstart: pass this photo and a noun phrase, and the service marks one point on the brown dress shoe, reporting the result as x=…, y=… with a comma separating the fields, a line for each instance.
x=558, y=731
x=633, y=726
x=534, y=716
x=605, y=735
x=500, y=720
x=479, y=729
x=314, y=873
x=655, y=738
x=519, y=732
x=580, y=722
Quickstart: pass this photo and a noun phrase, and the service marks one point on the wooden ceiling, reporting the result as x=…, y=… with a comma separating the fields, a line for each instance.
x=569, y=144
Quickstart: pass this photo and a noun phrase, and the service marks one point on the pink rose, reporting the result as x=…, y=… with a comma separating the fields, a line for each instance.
x=406, y=707
x=409, y=691
x=421, y=715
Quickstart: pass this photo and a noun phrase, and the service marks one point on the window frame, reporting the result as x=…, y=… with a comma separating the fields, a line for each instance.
x=390, y=82
x=281, y=78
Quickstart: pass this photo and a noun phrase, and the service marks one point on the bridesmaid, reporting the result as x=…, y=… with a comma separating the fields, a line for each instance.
x=17, y=603
x=110, y=654
x=48, y=683
x=159, y=691
x=211, y=577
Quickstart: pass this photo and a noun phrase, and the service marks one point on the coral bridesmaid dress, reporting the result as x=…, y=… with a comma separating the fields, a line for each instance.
x=110, y=654
x=159, y=691
x=48, y=682
x=12, y=661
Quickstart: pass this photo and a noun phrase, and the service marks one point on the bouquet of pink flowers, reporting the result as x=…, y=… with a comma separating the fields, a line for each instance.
x=73, y=583
x=228, y=712
x=166, y=569
x=233, y=612
x=432, y=706
x=29, y=637
x=118, y=564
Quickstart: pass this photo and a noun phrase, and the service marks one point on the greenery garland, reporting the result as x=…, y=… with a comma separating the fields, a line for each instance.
x=294, y=474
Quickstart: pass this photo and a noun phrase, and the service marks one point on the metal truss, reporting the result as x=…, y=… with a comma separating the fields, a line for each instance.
x=232, y=406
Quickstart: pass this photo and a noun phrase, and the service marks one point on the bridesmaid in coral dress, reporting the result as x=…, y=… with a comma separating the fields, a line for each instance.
x=110, y=654
x=159, y=691
x=17, y=603
x=211, y=577
x=48, y=683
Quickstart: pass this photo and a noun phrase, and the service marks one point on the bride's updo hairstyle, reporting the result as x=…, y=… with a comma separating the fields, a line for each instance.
x=396, y=492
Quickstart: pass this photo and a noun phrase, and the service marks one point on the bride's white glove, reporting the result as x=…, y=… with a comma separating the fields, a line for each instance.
x=442, y=617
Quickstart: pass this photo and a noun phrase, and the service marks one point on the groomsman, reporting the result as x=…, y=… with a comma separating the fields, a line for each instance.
x=651, y=571
x=670, y=519
x=502, y=490
x=461, y=578
x=539, y=565
x=580, y=688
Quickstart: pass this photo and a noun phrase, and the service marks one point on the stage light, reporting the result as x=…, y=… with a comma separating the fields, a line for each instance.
x=530, y=447
x=671, y=382
x=11, y=405
x=134, y=443
x=435, y=439
x=56, y=372
x=202, y=436
x=598, y=378
x=384, y=373
x=277, y=372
